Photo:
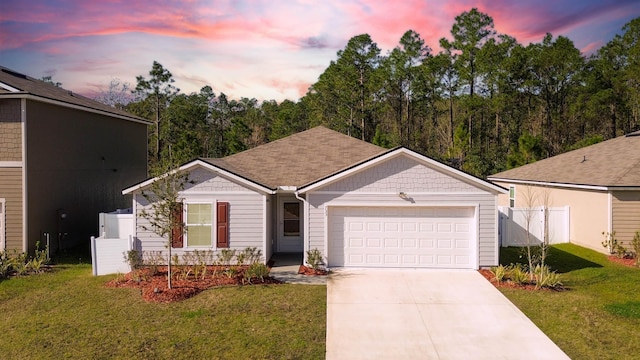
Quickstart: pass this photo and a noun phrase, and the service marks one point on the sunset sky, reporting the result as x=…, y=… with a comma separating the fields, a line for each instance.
x=261, y=49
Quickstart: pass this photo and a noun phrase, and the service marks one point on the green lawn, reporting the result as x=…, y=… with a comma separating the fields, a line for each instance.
x=598, y=317
x=70, y=314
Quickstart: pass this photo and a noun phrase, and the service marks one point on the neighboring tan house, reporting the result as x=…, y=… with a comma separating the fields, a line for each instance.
x=359, y=204
x=64, y=158
x=600, y=184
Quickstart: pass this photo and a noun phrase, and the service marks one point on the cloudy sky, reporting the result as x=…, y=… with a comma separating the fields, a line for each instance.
x=266, y=49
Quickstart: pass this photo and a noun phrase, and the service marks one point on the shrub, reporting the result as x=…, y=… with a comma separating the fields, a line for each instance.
x=518, y=275
x=225, y=256
x=500, y=272
x=134, y=259
x=611, y=243
x=544, y=277
x=635, y=244
x=314, y=259
x=6, y=265
x=256, y=271
x=153, y=259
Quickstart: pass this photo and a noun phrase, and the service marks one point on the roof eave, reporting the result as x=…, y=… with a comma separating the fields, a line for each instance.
x=200, y=162
x=566, y=185
x=29, y=96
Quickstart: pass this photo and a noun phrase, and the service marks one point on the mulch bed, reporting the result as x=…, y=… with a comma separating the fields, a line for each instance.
x=154, y=287
x=623, y=261
x=304, y=270
x=508, y=284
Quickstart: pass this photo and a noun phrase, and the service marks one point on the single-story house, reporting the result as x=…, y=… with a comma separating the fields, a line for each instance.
x=599, y=183
x=359, y=204
x=63, y=159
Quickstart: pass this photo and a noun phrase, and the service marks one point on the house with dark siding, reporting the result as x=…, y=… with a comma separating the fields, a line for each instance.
x=64, y=158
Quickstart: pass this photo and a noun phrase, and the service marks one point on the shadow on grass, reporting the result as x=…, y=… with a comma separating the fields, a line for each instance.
x=558, y=260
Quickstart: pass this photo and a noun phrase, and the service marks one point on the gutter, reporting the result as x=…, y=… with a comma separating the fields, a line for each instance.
x=306, y=244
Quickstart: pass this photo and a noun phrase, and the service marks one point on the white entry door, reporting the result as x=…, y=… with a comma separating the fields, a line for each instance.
x=289, y=225
x=439, y=237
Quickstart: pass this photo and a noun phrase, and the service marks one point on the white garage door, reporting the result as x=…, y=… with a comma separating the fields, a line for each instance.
x=441, y=237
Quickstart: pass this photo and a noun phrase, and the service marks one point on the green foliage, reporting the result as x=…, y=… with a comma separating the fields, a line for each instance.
x=134, y=259
x=256, y=271
x=500, y=272
x=483, y=104
x=315, y=259
x=612, y=245
x=630, y=310
x=518, y=274
x=545, y=278
x=635, y=245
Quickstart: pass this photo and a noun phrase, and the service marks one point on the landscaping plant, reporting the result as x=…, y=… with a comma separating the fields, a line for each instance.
x=314, y=259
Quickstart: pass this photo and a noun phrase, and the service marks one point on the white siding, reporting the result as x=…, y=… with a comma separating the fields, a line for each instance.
x=401, y=174
x=246, y=212
x=486, y=202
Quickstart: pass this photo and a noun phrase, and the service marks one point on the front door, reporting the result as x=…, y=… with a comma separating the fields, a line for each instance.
x=289, y=225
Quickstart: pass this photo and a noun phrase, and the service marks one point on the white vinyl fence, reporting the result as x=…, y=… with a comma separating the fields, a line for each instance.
x=108, y=251
x=516, y=222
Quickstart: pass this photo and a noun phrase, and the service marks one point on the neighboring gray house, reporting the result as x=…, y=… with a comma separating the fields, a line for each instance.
x=359, y=204
x=63, y=159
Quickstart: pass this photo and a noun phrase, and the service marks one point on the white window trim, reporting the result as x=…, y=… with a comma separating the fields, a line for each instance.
x=514, y=196
x=214, y=242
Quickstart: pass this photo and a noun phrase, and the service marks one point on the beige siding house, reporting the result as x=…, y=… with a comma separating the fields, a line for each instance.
x=359, y=204
x=63, y=159
x=599, y=183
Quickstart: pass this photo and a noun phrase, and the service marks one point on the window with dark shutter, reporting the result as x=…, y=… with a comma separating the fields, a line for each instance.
x=177, y=232
x=222, y=223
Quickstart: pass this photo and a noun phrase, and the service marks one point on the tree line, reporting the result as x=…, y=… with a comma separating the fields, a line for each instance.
x=484, y=103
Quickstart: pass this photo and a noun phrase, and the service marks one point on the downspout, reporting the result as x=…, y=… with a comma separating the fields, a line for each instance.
x=306, y=225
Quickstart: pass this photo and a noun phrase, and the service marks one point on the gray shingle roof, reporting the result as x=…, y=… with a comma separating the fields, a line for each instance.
x=28, y=85
x=611, y=163
x=299, y=159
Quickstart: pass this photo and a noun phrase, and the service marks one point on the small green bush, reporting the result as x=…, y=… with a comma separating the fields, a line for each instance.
x=499, y=272
x=611, y=243
x=635, y=244
x=256, y=271
x=134, y=259
x=545, y=278
x=314, y=259
x=518, y=274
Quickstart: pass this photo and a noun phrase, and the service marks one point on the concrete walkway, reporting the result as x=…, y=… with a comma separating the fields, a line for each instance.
x=285, y=268
x=427, y=314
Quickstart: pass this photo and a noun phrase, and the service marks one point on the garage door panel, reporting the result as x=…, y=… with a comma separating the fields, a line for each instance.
x=402, y=237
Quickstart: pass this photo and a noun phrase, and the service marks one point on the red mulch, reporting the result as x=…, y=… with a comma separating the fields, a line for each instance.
x=154, y=288
x=309, y=271
x=505, y=284
x=624, y=261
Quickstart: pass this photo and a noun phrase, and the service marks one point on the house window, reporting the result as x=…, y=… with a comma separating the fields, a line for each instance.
x=199, y=224
x=291, y=219
x=512, y=196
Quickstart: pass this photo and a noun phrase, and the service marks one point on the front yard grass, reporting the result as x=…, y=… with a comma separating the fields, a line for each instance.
x=71, y=314
x=598, y=317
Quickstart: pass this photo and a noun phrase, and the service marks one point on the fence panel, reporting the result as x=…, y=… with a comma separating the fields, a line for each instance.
x=519, y=226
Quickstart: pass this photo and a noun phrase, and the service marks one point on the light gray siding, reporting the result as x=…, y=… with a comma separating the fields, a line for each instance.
x=487, y=217
x=246, y=215
x=424, y=186
x=401, y=174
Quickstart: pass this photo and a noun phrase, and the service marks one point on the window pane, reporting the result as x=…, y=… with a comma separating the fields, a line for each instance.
x=291, y=211
x=198, y=214
x=512, y=191
x=292, y=227
x=199, y=235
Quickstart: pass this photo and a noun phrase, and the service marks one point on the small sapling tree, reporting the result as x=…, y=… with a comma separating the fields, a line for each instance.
x=164, y=214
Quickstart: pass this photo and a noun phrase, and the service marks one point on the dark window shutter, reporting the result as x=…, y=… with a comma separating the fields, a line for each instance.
x=222, y=223
x=177, y=236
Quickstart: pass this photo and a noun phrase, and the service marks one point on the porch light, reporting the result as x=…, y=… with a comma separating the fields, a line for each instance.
x=402, y=195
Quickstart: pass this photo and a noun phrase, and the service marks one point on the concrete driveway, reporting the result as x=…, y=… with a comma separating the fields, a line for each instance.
x=427, y=314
